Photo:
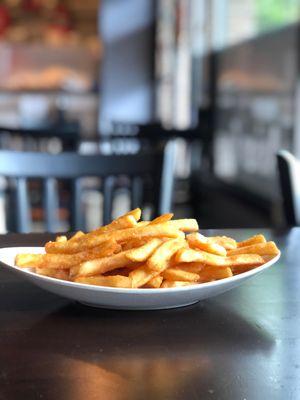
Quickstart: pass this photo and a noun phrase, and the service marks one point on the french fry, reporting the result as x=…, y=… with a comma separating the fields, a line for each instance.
x=77, y=235
x=29, y=260
x=162, y=218
x=141, y=253
x=142, y=223
x=172, y=284
x=154, y=283
x=267, y=258
x=263, y=249
x=128, y=220
x=185, y=225
x=53, y=273
x=61, y=239
x=73, y=272
x=189, y=255
x=84, y=243
x=239, y=269
x=104, y=264
x=252, y=240
x=133, y=243
x=141, y=276
x=136, y=213
x=124, y=222
x=125, y=271
x=65, y=261
x=227, y=242
x=214, y=273
x=194, y=267
x=112, y=281
x=159, y=261
x=195, y=240
x=177, y=274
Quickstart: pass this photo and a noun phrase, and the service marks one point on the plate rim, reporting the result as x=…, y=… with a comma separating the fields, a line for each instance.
x=108, y=289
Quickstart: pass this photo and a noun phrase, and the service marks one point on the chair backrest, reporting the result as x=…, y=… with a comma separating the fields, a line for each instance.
x=289, y=176
x=34, y=139
x=20, y=167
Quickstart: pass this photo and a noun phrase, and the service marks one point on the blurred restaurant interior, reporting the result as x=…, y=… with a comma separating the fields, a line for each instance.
x=172, y=105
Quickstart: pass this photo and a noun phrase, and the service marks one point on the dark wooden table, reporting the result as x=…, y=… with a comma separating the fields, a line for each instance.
x=244, y=344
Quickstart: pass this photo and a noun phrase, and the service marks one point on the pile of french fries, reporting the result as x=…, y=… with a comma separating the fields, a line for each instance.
x=162, y=253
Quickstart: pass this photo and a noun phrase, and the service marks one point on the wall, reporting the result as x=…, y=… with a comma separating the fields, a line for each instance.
x=126, y=77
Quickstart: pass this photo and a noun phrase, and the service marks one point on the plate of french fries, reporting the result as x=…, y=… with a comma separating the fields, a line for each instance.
x=134, y=264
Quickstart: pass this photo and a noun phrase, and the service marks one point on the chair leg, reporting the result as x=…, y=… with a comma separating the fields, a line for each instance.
x=23, y=208
x=77, y=220
x=108, y=189
x=136, y=192
x=51, y=204
x=167, y=179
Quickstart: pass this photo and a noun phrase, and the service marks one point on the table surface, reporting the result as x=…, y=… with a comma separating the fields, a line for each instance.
x=244, y=344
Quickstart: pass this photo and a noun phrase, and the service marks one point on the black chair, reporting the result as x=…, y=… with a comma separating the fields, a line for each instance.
x=289, y=177
x=33, y=139
x=18, y=168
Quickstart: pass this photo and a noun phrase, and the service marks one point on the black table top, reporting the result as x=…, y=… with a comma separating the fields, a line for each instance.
x=244, y=344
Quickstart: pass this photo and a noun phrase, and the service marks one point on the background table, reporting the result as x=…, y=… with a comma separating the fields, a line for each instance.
x=244, y=344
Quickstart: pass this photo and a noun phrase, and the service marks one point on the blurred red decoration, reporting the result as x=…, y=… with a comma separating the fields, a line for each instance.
x=61, y=18
x=4, y=19
x=31, y=5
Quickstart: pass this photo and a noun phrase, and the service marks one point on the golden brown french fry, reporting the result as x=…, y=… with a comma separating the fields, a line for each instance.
x=239, y=269
x=136, y=213
x=263, y=249
x=159, y=261
x=142, y=223
x=143, y=252
x=112, y=281
x=252, y=240
x=156, y=263
x=73, y=272
x=195, y=240
x=190, y=255
x=154, y=283
x=227, y=242
x=267, y=258
x=61, y=239
x=65, y=261
x=125, y=271
x=25, y=260
x=194, y=267
x=214, y=273
x=77, y=235
x=133, y=243
x=124, y=222
x=185, y=225
x=172, y=284
x=105, y=264
x=54, y=273
x=84, y=243
x=128, y=220
x=162, y=218
x=141, y=276
x=177, y=274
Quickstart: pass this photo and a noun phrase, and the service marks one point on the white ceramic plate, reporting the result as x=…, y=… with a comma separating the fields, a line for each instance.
x=127, y=299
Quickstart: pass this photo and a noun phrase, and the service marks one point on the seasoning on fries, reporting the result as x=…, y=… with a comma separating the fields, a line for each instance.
x=162, y=253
